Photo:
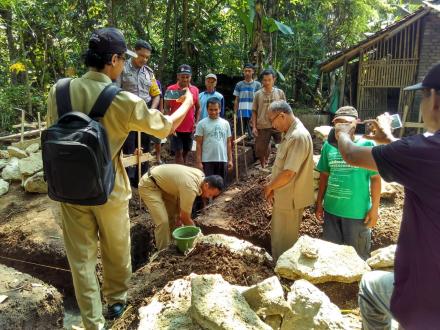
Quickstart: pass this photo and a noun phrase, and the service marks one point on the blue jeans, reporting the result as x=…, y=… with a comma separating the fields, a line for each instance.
x=375, y=290
x=348, y=232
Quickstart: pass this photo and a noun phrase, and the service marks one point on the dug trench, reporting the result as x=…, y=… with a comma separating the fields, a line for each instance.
x=31, y=238
x=30, y=231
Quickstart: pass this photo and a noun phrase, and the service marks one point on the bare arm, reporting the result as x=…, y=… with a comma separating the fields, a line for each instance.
x=179, y=115
x=199, y=150
x=230, y=164
x=280, y=180
x=155, y=102
x=373, y=214
x=355, y=155
x=319, y=210
x=254, y=123
x=197, y=107
x=186, y=218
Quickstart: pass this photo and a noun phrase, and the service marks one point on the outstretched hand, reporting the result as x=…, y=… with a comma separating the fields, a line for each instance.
x=380, y=131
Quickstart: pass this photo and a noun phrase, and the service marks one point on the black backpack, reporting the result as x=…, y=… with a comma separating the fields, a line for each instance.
x=77, y=162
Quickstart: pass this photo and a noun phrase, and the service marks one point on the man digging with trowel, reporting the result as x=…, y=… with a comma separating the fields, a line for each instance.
x=169, y=192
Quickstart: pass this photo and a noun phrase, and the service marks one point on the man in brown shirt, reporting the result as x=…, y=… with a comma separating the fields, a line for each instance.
x=169, y=192
x=291, y=185
x=261, y=125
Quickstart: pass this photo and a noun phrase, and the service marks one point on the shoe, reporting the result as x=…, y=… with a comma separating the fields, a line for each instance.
x=115, y=311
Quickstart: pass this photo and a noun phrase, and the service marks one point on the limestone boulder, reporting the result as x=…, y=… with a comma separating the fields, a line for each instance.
x=311, y=309
x=389, y=190
x=36, y=184
x=267, y=298
x=169, y=308
x=16, y=152
x=235, y=245
x=322, y=132
x=32, y=148
x=11, y=172
x=382, y=258
x=31, y=165
x=319, y=261
x=3, y=163
x=4, y=187
x=216, y=305
x=4, y=154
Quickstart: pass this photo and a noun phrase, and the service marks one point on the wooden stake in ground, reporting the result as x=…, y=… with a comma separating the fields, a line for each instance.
x=22, y=126
x=139, y=154
x=39, y=122
x=244, y=147
x=236, y=147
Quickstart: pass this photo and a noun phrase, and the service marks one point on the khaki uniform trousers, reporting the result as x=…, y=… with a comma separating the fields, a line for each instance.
x=83, y=226
x=285, y=228
x=163, y=208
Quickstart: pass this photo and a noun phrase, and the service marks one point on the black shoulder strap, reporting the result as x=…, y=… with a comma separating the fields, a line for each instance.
x=104, y=100
x=62, y=95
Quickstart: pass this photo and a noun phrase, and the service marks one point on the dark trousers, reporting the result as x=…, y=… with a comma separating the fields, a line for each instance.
x=130, y=145
x=246, y=127
x=216, y=168
x=348, y=232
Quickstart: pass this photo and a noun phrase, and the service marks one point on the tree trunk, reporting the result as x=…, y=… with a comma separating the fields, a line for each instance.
x=166, y=38
x=257, y=50
x=6, y=14
x=185, y=34
x=111, y=9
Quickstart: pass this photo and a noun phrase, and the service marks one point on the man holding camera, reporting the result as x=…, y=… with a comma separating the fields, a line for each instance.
x=410, y=294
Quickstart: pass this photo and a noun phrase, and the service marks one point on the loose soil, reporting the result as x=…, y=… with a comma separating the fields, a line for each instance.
x=30, y=303
x=170, y=265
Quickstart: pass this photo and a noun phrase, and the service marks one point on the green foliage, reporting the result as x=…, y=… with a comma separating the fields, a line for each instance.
x=49, y=37
x=12, y=99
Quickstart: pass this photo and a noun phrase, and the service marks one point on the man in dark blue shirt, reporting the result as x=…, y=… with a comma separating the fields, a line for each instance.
x=411, y=294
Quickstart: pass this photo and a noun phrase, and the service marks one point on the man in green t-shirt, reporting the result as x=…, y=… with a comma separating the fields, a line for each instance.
x=348, y=213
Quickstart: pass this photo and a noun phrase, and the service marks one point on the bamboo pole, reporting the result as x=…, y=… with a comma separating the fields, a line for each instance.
x=236, y=148
x=22, y=127
x=244, y=148
x=139, y=154
x=39, y=122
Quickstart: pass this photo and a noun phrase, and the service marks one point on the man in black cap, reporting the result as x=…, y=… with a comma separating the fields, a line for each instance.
x=182, y=139
x=109, y=222
x=411, y=294
x=139, y=79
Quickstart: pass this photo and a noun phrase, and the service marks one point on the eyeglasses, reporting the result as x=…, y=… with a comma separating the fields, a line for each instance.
x=273, y=119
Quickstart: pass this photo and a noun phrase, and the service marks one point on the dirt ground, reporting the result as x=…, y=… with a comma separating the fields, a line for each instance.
x=30, y=303
x=170, y=265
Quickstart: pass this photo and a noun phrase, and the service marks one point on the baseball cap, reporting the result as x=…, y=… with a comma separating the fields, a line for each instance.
x=184, y=69
x=431, y=80
x=211, y=75
x=109, y=41
x=347, y=111
x=248, y=65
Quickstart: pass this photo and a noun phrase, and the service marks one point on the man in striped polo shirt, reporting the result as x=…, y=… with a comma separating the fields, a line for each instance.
x=244, y=97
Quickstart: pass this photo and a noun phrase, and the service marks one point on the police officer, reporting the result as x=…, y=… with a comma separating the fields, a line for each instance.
x=139, y=79
x=110, y=223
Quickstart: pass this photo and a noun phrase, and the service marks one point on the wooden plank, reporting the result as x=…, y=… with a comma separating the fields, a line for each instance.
x=135, y=159
x=241, y=138
x=13, y=137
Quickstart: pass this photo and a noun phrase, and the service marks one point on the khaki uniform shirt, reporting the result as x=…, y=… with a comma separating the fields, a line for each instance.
x=295, y=153
x=182, y=182
x=139, y=81
x=126, y=113
x=261, y=103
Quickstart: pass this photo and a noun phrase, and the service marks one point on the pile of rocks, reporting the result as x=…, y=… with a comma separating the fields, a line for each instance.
x=209, y=302
x=22, y=165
